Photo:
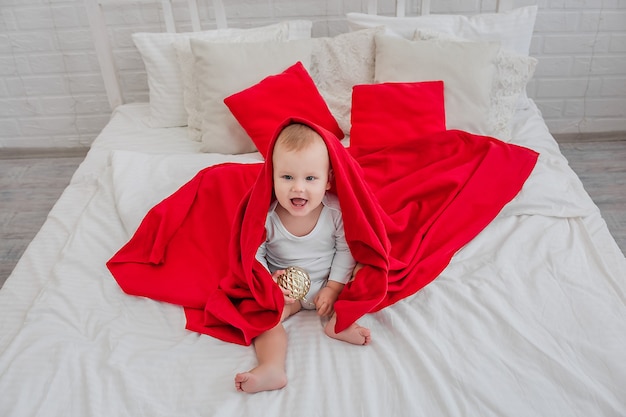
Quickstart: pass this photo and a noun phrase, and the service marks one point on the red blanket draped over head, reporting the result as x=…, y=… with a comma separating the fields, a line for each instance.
x=407, y=209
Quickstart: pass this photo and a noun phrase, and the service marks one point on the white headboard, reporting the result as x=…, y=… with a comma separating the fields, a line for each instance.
x=104, y=50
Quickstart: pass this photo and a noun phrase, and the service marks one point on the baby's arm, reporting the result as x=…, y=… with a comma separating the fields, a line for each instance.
x=341, y=270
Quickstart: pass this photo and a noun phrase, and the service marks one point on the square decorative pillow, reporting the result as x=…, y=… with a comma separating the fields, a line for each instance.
x=290, y=30
x=467, y=70
x=165, y=82
x=386, y=113
x=340, y=62
x=260, y=109
x=223, y=69
x=513, y=28
x=512, y=74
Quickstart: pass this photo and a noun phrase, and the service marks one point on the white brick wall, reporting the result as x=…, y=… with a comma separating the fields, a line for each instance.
x=580, y=82
x=52, y=94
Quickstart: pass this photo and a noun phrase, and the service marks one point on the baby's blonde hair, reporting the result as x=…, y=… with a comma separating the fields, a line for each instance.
x=297, y=136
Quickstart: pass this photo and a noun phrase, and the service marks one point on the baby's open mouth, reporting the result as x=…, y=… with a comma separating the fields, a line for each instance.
x=298, y=202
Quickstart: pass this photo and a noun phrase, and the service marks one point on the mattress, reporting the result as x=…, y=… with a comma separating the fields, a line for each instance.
x=527, y=319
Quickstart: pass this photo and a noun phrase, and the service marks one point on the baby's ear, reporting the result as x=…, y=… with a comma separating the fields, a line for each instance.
x=331, y=178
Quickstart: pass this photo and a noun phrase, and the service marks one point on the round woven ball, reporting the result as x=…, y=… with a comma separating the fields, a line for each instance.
x=296, y=280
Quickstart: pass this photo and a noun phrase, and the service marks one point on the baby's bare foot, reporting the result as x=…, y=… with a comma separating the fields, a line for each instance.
x=355, y=334
x=260, y=379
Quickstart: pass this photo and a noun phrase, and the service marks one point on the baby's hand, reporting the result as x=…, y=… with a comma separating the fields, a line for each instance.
x=286, y=293
x=325, y=301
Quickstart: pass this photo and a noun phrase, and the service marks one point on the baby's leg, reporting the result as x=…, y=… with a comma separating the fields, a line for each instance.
x=271, y=352
x=290, y=310
x=269, y=374
x=354, y=334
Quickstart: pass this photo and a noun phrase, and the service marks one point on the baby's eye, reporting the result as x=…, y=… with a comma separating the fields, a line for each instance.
x=310, y=178
x=287, y=177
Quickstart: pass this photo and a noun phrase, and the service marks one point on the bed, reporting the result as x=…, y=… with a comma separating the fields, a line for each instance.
x=527, y=319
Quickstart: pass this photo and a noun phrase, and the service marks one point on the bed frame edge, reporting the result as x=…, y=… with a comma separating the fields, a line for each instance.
x=104, y=52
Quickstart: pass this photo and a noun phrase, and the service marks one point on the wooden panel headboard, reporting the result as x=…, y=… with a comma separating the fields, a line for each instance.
x=104, y=49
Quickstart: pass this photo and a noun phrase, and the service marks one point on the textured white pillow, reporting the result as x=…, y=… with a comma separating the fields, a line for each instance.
x=513, y=28
x=512, y=74
x=223, y=69
x=290, y=30
x=466, y=68
x=338, y=63
x=165, y=81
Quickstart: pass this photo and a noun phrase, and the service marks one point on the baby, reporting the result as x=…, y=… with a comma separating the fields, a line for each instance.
x=304, y=228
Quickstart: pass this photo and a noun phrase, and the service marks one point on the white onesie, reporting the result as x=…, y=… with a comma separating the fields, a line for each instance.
x=323, y=253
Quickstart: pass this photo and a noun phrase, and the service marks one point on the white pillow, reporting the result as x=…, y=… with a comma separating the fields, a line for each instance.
x=165, y=81
x=223, y=69
x=513, y=29
x=512, y=74
x=291, y=30
x=339, y=63
x=336, y=65
x=466, y=68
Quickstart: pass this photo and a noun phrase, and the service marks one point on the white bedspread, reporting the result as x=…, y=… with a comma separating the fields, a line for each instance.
x=529, y=319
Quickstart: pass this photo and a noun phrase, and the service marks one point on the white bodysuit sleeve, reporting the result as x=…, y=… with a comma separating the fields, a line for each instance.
x=343, y=262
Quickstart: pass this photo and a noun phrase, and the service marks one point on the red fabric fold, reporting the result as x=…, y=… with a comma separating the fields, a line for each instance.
x=177, y=253
x=407, y=209
x=438, y=192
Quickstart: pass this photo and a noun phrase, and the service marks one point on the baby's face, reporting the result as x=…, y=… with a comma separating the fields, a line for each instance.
x=301, y=178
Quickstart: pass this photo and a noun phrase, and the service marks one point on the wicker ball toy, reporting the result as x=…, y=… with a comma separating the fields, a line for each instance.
x=296, y=280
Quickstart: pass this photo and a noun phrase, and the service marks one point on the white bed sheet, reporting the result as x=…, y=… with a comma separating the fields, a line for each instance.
x=527, y=320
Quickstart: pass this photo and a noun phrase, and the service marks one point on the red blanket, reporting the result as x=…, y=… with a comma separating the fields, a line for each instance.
x=407, y=209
